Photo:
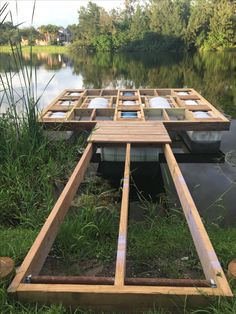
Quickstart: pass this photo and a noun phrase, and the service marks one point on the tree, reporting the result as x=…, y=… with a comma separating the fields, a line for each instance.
x=74, y=31
x=222, y=25
x=8, y=33
x=199, y=22
x=89, y=22
x=139, y=23
x=50, y=33
x=169, y=17
x=29, y=33
x=161, y=24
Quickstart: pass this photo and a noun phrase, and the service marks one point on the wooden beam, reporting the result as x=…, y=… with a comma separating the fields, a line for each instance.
x=209, y=261
x=122, y=238
x=171, y=125
x=212, y=125
x=110, y=298
x=36, y=256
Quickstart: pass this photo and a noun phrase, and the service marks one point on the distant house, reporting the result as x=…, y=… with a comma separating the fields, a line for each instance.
x=64, y=36
x=41, y=42
x=24, y=41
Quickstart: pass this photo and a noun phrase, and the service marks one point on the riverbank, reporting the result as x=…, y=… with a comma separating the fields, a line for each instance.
x=37, y=49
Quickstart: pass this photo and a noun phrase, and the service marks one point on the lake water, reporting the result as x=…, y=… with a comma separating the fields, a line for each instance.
x=213, y=186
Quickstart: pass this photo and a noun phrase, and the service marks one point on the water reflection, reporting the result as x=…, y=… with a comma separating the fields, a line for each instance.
x=213, y=74
x=213, y=186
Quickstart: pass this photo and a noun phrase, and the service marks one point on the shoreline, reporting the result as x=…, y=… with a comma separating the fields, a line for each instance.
x=37, y=49
x=65, y=49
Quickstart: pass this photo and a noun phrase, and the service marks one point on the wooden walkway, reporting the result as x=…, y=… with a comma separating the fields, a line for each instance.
x=130, y=132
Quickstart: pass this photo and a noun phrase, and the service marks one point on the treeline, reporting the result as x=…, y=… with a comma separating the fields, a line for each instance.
x=12, y=34
x=167, y=24
x=159, y=24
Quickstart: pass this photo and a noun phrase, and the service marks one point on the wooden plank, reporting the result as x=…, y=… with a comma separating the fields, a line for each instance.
x=36, y=256
x=122, y=238
x=129, y=132
x=138, y=140
x=209, y=261
x=165, y=115
x=172, y=125
x=216, y=111
x=211, y=125
x=118, y=289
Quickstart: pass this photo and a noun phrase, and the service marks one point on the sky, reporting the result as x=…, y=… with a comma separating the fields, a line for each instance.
x=59, y=12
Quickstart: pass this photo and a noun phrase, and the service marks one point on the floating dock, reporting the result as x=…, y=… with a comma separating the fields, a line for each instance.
x=124, y=123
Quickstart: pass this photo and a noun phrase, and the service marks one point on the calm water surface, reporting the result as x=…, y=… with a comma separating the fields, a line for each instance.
x=213, y=186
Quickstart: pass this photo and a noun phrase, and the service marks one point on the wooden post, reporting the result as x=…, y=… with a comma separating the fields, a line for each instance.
x=122, y=238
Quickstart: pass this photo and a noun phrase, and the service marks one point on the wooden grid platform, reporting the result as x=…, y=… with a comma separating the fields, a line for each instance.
x=75, y=112
x=130, y=132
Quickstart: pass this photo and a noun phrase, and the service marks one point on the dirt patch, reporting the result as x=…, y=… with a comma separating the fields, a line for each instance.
x=59, y=267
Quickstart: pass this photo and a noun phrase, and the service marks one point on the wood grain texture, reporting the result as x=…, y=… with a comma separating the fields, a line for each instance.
x=129, y=132
x=122, y=237
x=115, y=297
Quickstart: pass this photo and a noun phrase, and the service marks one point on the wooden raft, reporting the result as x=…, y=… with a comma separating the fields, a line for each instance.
x=120, y=292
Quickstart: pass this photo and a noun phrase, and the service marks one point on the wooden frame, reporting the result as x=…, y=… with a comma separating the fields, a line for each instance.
x=216, y=121
x=121, y=292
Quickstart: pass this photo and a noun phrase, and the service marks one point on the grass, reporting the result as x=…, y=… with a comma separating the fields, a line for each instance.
x=37, y=49
x=90, y=230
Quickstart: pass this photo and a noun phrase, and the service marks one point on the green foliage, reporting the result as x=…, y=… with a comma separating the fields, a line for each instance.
x=139, y=24
x=49, y=33
x=8, y=33
x=168, y=17
x=222, y=26
x=103, y=42
x=15, y=242
x=27, y=170
x=29, y=173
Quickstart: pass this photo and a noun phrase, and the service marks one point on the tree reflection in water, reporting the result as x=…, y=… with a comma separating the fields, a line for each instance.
x=211, y=73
